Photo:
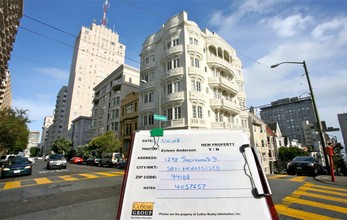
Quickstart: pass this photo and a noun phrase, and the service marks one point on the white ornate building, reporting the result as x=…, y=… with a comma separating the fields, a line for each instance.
x=193, y=77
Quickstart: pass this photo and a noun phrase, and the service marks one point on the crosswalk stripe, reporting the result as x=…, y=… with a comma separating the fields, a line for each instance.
x=43, y=180
x=90, y=176
x=285, y=210
x=13, y=184
x=68, y=178
x=108, y=174
x=321, y=205
x=331, y=198
x=298, y=179
x=327, y=191
x=330, y=188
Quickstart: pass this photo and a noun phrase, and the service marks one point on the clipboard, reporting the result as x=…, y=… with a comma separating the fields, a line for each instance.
x=194, y=174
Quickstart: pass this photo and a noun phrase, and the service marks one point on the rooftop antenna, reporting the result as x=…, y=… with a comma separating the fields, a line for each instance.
x=106, y=6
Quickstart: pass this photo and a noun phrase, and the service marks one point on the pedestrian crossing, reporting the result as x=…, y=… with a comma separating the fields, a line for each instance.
x=324, y=202
x=56, y=179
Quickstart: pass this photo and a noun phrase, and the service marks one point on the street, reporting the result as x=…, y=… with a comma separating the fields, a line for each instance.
x=86, y=192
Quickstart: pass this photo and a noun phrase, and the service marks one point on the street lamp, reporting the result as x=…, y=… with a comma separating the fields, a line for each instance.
x=320, y=130
x=159, y=98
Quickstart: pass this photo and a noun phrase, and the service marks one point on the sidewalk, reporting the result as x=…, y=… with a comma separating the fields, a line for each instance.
x=339, y=180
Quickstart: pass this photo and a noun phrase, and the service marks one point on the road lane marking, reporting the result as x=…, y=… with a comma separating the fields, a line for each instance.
x=330, y=188
x=290, y=200
x=285, y=210
x=43, y=180
x=68, y=178
x=298, y=179
x=108, y=174
x=13, y=184
x=55, y=179
x=317, y=196
x=89, y=176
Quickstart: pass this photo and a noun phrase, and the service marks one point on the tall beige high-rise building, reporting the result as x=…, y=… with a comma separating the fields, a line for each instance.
x=97, y=54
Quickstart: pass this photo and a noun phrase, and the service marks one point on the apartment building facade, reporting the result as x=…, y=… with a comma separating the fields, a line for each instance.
x=97, y=54
x=128, y=120
x=47, y=123
x=55, y=131
x=107, y=99
x=81, y=131
x=11, y=11
x=259, y=139
x=290, y=113
x=6, y=91
x=191, y=76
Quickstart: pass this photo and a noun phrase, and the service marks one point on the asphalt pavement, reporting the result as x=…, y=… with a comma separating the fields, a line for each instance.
x=339, y=180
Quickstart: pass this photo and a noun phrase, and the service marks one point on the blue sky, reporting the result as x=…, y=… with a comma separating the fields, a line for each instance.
x=262, y=32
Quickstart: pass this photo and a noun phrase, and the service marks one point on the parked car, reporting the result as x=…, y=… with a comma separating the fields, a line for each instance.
x=111, y=159
x=121, y=164
x=56, y=161
x=5, y=158
x=76, y=160
x=46, y=157
x=16, y=166
x=93, y=161
x=304, y=165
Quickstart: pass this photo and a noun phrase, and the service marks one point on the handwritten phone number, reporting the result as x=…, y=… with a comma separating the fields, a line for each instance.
x=190, y=186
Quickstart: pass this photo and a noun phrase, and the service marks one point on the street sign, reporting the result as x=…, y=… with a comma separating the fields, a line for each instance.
x=160, y=117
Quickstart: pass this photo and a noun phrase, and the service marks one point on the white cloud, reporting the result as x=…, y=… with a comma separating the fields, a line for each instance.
x=289, y=26
x=56, y=73
x=38, y=109
x=335, y=29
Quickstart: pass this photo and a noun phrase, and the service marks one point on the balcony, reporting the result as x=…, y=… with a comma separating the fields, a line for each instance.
x=148, y=106
x=175, y=123
x=225, y=125
x=173, y=97
x=222, y=104
x=197, y=122
x=196, y=72
x=220, y=62
x=116, y=85
x=197, y=97
x=223, y=83
x=148, y=66
x=171, y=51
x=173, y=73
x=191, y=48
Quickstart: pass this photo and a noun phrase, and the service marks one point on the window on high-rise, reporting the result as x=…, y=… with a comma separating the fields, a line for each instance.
x=175, y=42
x=177, y=86
x=177, y=112
x=169, y=88
x=129, y=109
x=176, y=63
x=169, y=114
x=197, y=111
x=173, y=64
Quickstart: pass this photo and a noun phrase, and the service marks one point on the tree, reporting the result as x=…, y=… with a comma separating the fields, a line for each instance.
x=14, y=132
x=62, y=145
x=83, y=151
x=105, y=143
x=34, y=151
x=287, y=154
